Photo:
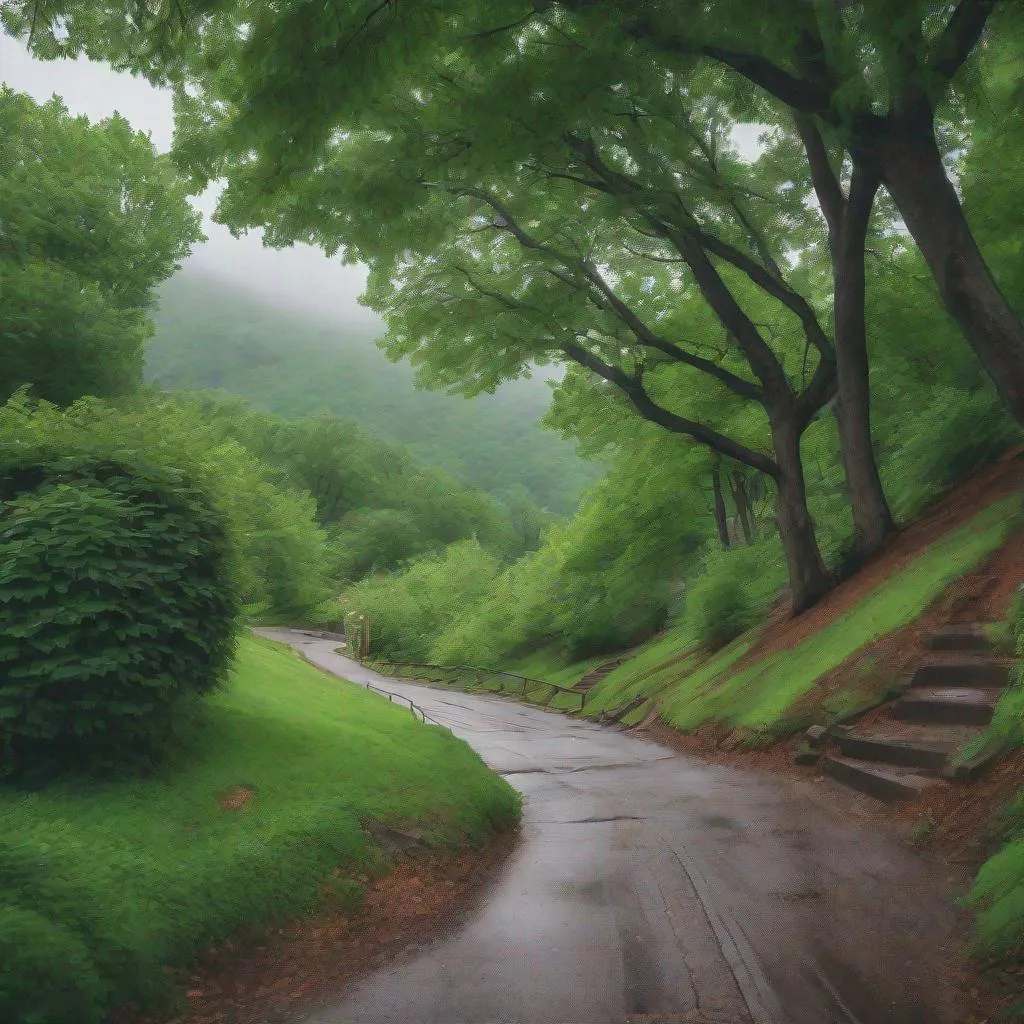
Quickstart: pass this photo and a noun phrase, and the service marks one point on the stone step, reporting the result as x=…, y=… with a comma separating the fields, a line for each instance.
x=882, y=781
x=923, y=756
x=966, y=637
x=961, y=705
x=962, y=672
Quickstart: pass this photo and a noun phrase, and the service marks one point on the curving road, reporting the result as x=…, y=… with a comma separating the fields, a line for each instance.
x=654, y=887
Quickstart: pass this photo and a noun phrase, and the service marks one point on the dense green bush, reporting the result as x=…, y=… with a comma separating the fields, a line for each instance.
x=720, y=608
x=51, y=941
x=47, y=972
x=408, y=609
x=952, y=436
x=517, y=613
x=116, y=606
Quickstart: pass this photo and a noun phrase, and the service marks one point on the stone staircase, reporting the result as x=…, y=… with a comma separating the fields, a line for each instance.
x=905, y=747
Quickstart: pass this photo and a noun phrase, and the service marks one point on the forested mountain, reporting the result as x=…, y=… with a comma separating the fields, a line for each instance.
x=211, y=334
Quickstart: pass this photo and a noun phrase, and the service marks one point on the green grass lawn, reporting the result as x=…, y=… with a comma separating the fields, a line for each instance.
x=106, y=884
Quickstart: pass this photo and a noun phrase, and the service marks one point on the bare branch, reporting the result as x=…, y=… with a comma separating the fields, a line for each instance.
x=646, y=336
x=689, y=242
x=506, y=300
x=818, y=393
x=773, y=286
x=382, y=6
x=649, y=256
x=794, y=92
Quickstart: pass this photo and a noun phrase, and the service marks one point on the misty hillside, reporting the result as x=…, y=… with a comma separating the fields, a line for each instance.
x=211, y=334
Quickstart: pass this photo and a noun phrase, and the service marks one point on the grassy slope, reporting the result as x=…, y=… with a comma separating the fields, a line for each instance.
x=758, y=697
x=998, y=891
x=144, y=873
x=692, y=688
x=555, y=667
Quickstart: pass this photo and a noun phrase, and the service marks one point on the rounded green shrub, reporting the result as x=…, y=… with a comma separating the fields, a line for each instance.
x=116, y=607
x=721, y=608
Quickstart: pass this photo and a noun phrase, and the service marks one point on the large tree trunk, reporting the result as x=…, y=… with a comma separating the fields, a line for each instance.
x=872, y=518
x=913, y=173
x=720, y=520
x=809, y=580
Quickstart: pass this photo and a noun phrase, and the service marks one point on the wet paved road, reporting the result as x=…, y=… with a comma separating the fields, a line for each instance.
x=653, y=887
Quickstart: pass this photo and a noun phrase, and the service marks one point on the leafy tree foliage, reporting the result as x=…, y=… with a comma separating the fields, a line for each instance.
x=367, y=492
x=989, y=168
x=556, y=182
x=91, y=220
x=277, y=552
x=261, y=103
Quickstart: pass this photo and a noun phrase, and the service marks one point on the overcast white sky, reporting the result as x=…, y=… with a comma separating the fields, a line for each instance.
x=300, y=277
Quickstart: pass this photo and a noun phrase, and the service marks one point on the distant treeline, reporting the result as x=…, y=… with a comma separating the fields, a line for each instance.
x=210, y=334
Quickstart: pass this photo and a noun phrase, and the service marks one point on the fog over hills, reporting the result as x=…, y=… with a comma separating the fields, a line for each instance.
x=213, y=333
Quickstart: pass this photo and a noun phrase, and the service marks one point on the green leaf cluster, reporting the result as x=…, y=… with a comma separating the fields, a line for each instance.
x=91, y=220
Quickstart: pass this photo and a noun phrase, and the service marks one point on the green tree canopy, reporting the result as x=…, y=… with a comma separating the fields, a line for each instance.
x=91, y=220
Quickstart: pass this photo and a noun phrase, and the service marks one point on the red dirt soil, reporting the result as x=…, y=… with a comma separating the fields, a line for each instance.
x=235, y=798
x=292, y=969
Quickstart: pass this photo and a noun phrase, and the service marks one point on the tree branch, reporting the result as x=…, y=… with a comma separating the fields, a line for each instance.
x=628, y=316
x=818, y=393
x=794, y=92
x=773, y=286
x=960, y=36
x=649, y=256
x=507, y=301
x=864, y=185
x=382, y=6
x=650, y=410
x=686, y=242
x=823, y=177
x=646, y=336
x=487, y=33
